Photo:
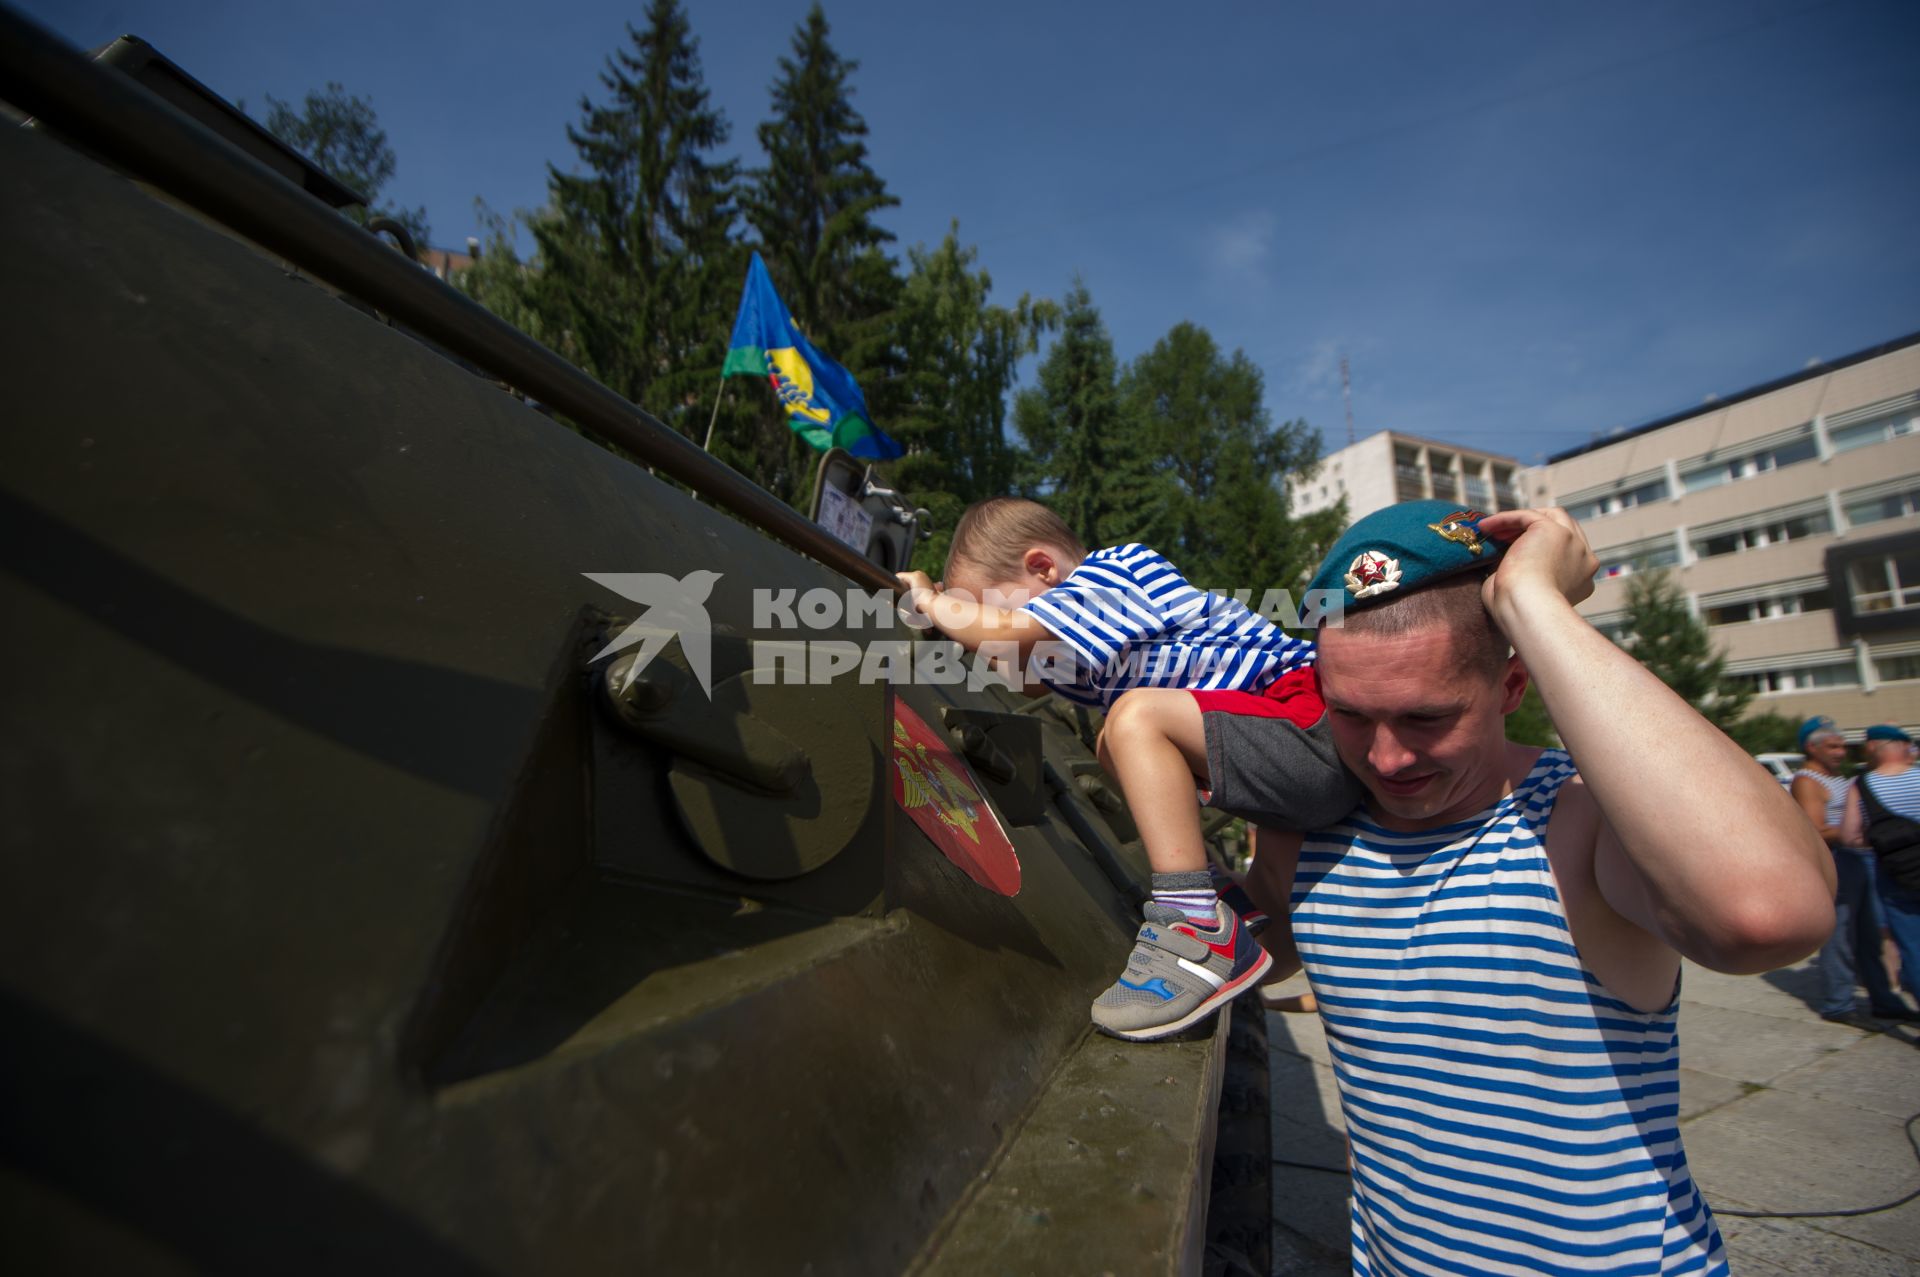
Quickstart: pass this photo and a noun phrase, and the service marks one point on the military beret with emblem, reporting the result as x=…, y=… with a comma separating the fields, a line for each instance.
x=1403, y=547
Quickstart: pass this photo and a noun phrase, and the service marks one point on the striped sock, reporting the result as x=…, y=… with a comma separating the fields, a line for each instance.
x=1190, y=893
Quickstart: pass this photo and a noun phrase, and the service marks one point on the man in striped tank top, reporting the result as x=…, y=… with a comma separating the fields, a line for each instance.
x=1853, y=950
x=1494, y=937
x=1895, y=785
x=1185, y=676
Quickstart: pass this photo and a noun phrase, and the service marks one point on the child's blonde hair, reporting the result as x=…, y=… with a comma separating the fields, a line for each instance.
x=994, y=535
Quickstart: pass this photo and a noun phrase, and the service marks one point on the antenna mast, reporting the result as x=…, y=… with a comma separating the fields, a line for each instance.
x=1346, y=393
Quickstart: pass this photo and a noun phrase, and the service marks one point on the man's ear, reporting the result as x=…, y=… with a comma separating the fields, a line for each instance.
x=1039, y=562
x=1513, y=685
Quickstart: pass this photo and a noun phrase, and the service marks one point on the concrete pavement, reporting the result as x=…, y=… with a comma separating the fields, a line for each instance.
x=1781, y=1111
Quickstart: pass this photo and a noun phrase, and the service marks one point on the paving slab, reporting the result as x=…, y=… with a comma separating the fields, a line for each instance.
x=1769, y=1246
x=1775, y=1150
x=1786, y=994
x=1749, y=1047
x=1704, y=1092
x=1879, y=1073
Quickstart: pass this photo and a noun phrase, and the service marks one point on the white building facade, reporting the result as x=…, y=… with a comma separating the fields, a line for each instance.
x=1790, y=516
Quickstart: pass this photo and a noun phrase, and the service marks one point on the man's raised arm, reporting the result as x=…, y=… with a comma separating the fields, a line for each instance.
x=1697, y=842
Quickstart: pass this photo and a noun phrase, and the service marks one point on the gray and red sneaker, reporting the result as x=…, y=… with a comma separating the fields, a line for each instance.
x=1178, y=974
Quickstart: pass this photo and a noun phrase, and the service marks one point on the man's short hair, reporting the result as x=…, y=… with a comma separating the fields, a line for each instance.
x=994, y=535
x=1453, y=604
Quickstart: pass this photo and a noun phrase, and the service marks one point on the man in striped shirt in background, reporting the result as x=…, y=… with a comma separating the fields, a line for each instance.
x=1195, y=686
x=1893, y=783
x=1853, y=950
x=1495, y=935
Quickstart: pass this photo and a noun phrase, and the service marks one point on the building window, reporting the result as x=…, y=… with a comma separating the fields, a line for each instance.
x=1479, y=494
x=1504, y=491
x=1625, y=560
x=1615, y=502
x=1785, y=603
x=1873, y=430
x=1898, y=669
x=1877, y=509
x=1696, y=476
x=1764, y=531
x=1804, y=678
x=1884, y=583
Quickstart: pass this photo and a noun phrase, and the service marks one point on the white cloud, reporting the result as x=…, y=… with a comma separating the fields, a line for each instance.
x=1243, y=244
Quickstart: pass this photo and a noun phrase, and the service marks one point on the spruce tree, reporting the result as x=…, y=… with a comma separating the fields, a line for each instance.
x=812, y=210
x=1663, y=635
x=636, y=255
x=1078, y=439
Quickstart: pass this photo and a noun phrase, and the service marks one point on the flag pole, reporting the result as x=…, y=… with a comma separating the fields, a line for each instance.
x=708, y=445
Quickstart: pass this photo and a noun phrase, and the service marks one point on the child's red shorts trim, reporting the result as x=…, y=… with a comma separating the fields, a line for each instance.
x=1294, y=696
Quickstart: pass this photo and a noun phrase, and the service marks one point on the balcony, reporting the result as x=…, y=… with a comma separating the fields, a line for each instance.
x=1446, y=487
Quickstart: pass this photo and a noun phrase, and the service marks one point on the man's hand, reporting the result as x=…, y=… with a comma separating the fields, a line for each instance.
x=1545, y=550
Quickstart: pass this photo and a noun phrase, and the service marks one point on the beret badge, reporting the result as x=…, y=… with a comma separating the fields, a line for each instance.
x=1462, y=528
x=1371, y=573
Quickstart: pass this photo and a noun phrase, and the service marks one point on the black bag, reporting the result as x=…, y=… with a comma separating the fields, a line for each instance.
x=1895, y=839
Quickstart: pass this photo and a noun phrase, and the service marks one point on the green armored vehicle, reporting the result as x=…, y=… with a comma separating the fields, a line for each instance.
x=363, y=913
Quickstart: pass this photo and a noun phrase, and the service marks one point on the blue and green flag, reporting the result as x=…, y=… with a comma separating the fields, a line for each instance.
x=824, y=405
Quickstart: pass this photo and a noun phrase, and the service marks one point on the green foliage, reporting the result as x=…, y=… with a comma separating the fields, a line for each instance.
x=499, y=280
x=1530, y=725
x=1084, y=456
x=1766, y=733
x=1675, y=646
x=1217, y=503
x=960, y=355
x=636, y=253
x=340, y=132
x=812, y=209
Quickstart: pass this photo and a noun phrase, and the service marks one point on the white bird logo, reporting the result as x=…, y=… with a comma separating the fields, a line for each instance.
x=673, y=606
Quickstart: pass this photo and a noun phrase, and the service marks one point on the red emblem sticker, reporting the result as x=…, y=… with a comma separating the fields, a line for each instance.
x=935, y=786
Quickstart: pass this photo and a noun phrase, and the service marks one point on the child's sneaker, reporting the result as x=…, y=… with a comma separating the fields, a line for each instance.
x=1178, y=974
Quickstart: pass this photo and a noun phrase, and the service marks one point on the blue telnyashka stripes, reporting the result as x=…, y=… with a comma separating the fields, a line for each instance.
x=1126, y=618
x=1898, y=792
x=1507, y=1114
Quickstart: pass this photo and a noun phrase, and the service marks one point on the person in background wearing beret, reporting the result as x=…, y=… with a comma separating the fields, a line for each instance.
x=1495, y=935
x=1853, y=951
x=1893, y=784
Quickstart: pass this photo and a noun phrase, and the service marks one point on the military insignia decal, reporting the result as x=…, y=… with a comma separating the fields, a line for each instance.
x=1461, y=528
x=1371, y=573
x=934, y=786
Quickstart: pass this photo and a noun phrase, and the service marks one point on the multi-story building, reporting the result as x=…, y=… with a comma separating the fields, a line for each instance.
x=1387, y=467
x=1790, y=515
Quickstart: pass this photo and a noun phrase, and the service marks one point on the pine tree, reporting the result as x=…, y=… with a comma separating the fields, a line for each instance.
x=812, y=209
x=637, y=253
x=1667, y=638
x=1083, y=454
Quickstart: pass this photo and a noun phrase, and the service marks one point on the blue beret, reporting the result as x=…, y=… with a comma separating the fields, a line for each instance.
x=1818, y=725
x=1402, y=548
x=1887, y=731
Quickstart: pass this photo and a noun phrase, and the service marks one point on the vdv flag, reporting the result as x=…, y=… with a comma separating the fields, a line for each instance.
x=823, y=404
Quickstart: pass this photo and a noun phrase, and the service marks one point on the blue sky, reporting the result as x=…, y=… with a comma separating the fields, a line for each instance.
x=1523, y=223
